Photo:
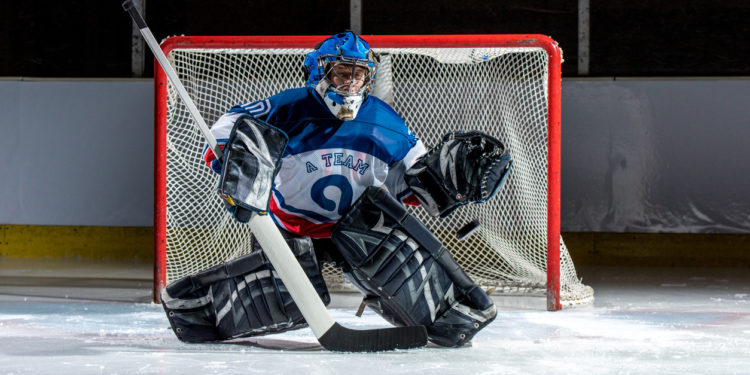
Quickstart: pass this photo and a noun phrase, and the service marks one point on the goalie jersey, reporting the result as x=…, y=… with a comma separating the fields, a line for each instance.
x=328, y=163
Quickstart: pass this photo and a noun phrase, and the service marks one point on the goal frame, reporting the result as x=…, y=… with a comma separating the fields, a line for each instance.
x=551, y=47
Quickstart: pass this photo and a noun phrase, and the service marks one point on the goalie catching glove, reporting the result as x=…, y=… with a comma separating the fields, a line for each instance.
x=465, y=167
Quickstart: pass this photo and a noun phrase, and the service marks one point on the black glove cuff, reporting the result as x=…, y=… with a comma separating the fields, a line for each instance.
x=431, y=191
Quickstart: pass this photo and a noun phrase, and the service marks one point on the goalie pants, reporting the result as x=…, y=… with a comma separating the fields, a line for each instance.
x=407, y=275
x=243, y=297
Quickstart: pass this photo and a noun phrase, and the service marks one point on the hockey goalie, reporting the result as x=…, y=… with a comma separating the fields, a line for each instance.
x=335, y=169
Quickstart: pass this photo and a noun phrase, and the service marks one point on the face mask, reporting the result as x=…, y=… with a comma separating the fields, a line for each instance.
x=343, y=107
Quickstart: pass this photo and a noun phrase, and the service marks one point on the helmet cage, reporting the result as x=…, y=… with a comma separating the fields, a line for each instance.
x=329, y=62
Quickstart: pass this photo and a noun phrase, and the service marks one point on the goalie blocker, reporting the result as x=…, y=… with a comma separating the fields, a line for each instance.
x=253, y=156
x=406, y=274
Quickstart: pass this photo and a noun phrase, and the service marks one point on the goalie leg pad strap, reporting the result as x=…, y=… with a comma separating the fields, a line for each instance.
x=243, y=297
x=406, y=274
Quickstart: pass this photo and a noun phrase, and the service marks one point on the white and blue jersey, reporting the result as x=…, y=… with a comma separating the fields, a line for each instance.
x=328, y=163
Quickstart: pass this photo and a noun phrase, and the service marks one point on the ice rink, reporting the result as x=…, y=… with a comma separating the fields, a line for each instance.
x=643, y=321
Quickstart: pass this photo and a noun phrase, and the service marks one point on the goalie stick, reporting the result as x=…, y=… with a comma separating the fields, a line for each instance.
x=329, y=333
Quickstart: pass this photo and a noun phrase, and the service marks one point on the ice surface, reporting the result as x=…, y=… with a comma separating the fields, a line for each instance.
x=690, y=323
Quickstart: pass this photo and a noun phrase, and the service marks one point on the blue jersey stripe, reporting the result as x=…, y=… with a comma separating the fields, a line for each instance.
x=313, y=215
x=256, y=109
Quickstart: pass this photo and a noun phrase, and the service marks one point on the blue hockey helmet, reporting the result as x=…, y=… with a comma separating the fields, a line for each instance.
x=347, y=60
x=346, y=47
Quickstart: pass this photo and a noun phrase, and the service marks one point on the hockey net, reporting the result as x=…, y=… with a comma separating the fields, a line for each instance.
x=504, y=85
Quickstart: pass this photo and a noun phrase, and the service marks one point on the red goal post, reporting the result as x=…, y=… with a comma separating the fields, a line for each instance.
x=200, y=72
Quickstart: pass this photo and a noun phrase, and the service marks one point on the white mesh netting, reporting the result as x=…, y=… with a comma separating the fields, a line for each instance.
x=501, y=91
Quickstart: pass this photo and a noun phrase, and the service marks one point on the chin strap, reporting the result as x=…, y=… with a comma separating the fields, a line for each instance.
x=343, y=107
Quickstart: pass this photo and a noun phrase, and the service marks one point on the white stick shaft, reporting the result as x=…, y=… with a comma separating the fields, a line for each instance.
x=175, y=80
x=290, y=271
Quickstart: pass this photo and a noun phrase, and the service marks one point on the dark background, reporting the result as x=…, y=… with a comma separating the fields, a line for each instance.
x=91, y=38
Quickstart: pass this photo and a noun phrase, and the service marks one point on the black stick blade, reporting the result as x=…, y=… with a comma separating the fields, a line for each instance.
x=341, y=339
x=467, y=230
